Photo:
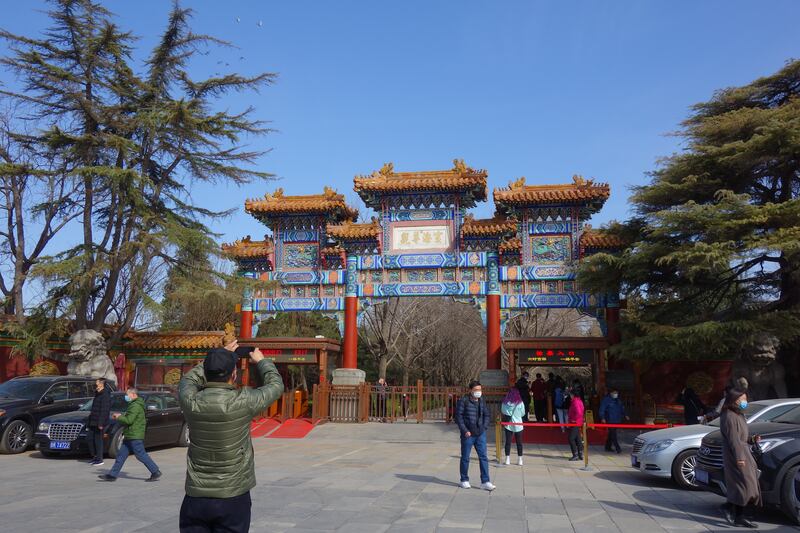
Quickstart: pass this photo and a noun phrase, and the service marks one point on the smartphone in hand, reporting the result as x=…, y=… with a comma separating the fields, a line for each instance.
x=243, y=351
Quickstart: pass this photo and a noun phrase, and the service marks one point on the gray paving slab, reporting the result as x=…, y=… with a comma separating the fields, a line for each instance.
x=367, y=478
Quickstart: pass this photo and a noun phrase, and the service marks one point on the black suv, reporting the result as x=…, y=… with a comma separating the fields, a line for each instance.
x=779, y=462
x=65, y=433
x=25, y=400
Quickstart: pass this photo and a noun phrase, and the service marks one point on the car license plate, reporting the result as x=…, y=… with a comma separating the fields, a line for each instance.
x=634, y=461
x=701, y=476
x=59, y=445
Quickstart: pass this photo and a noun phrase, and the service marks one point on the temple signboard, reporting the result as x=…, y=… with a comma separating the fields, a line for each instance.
x=549, y=356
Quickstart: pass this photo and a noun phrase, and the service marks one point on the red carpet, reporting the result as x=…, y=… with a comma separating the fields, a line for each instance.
x=263, y=427
x=547, y=435
x=294, y=428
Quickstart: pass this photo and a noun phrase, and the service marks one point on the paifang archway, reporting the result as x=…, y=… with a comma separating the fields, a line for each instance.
x=424, y=243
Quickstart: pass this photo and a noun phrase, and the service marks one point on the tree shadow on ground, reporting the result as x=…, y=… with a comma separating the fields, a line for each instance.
x=426, y=479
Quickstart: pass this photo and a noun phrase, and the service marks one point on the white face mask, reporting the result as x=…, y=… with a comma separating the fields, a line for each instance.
x=476, y=394
x=614, y=395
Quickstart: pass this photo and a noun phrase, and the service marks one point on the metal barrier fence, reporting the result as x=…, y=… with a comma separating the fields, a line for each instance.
x=418, y=403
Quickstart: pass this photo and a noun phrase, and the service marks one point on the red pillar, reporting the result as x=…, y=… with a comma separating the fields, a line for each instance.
x=246, y=329
x=350, y=349
x=493, y=354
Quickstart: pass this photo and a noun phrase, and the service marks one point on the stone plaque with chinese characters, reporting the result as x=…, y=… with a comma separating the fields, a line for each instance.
x=421, y=237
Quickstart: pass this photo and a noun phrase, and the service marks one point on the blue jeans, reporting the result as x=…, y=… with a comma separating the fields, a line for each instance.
x=136, y=447
x=479, y=442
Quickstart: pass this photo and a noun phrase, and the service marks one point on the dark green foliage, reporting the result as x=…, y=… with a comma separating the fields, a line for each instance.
x=715, y=241
x=135, y=139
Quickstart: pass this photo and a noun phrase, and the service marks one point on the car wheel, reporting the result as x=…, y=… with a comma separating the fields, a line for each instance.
x=183, y=439
x=116, y=444
x=683, y=470
x=790, y=494
x=16, y=437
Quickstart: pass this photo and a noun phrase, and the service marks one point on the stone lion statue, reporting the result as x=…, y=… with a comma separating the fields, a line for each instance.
x=87, y=356
x=758, y=365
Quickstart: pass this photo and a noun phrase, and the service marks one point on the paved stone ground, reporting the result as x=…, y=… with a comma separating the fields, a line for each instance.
x=366, y=478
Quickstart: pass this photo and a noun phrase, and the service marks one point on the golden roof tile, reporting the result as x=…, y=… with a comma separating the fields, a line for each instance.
x=332, y=250
x=512, y=245
x=459, y=178
x=350, y=231
x=598, y=239
x=330, y=202
x=579, y=191
x=495, y=226
x=175, y=340
x=247, y=248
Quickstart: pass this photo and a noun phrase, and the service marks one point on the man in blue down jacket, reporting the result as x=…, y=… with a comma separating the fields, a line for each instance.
x=473, y=418
x=612, y=411
x=219, y=465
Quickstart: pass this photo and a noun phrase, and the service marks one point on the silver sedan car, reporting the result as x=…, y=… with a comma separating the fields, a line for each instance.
x=672, y=452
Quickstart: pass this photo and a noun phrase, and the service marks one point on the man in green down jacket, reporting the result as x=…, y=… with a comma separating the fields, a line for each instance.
x=135, y=423
x=219, y=464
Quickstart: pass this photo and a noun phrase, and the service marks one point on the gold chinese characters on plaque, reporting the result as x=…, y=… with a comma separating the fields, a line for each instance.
x=421, y=237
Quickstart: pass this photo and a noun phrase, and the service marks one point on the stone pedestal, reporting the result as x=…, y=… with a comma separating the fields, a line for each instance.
x=494, y=378
x=348, y=376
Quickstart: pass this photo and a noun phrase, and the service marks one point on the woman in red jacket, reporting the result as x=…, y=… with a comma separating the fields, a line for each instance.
x=575, y=416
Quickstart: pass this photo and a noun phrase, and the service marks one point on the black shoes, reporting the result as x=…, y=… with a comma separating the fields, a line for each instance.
x=744, y=522
x=106, y=477
x=727, y=514
x=154, y=477
x=576, y=458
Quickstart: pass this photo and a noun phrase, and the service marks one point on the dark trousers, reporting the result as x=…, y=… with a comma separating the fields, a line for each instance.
x=223, y=515
x=575, y=442
x=540, y=409
x=94, y=436
x=611, y=440
x=479, y=443
x=517, y=436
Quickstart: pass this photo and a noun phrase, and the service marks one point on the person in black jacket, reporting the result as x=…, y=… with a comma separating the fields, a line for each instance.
x=524, y=389
x=98, y=419
x=473, y=418
x=693, y=407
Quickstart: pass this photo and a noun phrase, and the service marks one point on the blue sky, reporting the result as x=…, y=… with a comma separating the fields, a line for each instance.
x=540, y=89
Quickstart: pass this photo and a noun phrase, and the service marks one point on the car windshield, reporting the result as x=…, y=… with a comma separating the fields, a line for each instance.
x=117, y=403
x=790, y=417
x=749, y=412
x=23, y=388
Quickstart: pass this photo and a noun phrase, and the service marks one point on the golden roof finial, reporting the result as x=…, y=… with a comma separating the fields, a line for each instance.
x=580, y=181
x=274, y=196
x=517, y=184
x=328, y=192
x=460, y=167
x=387, y=169
x=230, y=334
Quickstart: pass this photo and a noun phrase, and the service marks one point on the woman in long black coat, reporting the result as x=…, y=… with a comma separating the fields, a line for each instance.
x=741, y=472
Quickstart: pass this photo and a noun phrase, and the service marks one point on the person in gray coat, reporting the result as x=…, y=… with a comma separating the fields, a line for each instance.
x=741, y=472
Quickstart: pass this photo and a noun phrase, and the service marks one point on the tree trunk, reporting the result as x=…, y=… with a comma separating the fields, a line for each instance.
x=383, y=362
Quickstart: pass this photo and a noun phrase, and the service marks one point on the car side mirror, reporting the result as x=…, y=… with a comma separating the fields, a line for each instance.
x=46, y=400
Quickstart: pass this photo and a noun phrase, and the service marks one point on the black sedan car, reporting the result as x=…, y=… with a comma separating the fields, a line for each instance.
x=66, y=433
x=26, y=400
x=779, y=462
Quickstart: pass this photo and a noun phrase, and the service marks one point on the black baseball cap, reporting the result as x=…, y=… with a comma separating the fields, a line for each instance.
x=219, y=363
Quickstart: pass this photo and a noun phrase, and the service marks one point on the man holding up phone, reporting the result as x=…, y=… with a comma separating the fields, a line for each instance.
x=220, y=468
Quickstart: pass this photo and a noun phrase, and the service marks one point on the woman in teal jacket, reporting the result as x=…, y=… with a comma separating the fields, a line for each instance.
x=512, y=410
